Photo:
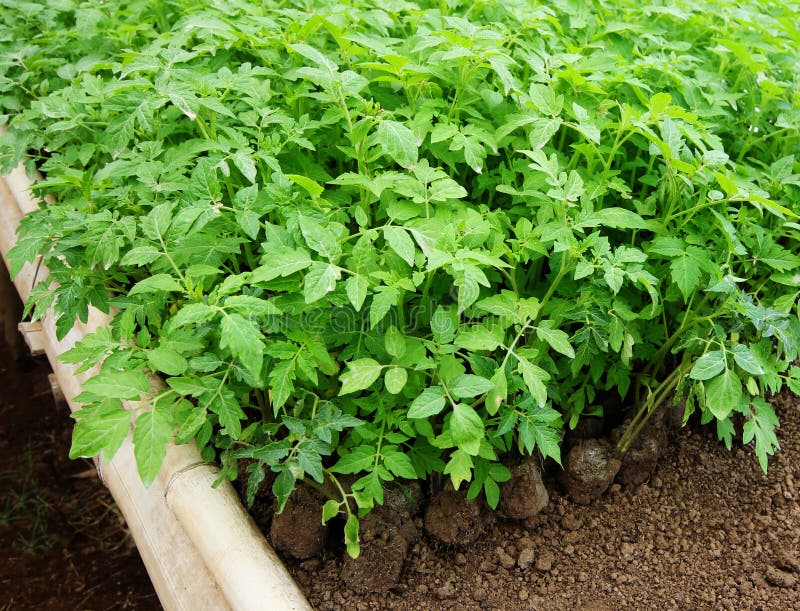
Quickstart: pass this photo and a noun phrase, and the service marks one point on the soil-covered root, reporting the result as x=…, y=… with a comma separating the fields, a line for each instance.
x=589, y=469
x=641, y=459
x=385, y=534
x=451, y=519
x=298, y=530
x=524, y=495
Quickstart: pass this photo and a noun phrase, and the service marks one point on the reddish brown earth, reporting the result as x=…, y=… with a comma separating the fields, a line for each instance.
x=63, y=544
x=708, y=531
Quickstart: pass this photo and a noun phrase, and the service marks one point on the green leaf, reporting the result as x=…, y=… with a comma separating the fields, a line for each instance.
x=400, y=465
x=459, y=468
x=708, y=365
x=534, y=378
x=159, y=283
x=478, y=337
x=243, y=339
x=166, y=360
x=395, y=379
x=118, y=384
x=723, y=394
x=616, y=218
x=557, y=339
x=394, y=342
x=283, y=263
x=761, y=427
x=151, y=435
x=398, y=142
x=360, y=374
x=468, y=385
x=430, y=402
x=320, y=281
x=466, y=428
x=400, y=242
x=312, y=187
x=685, y=274
x=499, y=393
x=745, y=358
x=356, y=288
x=192, y=314
x=351, y=540
x=319, y=239
x=330, y=510
x=101, y=427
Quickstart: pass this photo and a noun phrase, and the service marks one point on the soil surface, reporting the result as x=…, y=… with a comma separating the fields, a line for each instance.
x=708, y=530
x=63, y=543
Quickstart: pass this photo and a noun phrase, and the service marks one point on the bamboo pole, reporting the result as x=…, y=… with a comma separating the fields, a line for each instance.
x=201, y=549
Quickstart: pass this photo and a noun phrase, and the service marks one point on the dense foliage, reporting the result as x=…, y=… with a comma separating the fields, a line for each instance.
x=391, y=239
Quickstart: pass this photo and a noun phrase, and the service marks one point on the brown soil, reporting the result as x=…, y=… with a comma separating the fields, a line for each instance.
x=707, y=531
x=63, y=544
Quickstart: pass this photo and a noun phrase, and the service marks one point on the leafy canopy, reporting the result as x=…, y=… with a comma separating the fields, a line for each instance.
x=387, y=240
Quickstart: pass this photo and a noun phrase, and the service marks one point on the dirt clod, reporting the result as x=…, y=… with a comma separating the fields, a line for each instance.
x=298, y=531
x=641, y=459
x=524, y=495
x=378, y=566
x=526, y=558
x=779, y=578
x=452, y=519
x=589, y=469
x=545, y=560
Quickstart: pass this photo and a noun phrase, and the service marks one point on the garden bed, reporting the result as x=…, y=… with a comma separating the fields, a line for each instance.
x=395, y=266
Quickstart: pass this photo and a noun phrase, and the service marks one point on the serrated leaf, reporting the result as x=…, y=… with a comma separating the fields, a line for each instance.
x=398, y=142
x=534, y=378
x=243, y=339
x=557, y=339
x=118, y=384
x=159, y=283
x=100, y=428
x=152, y=433
x=356, y=288
x=399, y=464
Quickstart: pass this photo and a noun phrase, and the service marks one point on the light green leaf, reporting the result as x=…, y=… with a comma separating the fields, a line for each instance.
x=617, y=218
x=400, y=242
x=320, y=280
x=430, y=402
x=557, y=339
x=745, y=358
x=313, y=188
x=708, y=365
x=118, y=384
x=320, y=239
x=723, y=394
x=469, y=385
x=394, y=342
x=356, y=288
x=159, y=283
x=151, y=435
x=534, y=378
x=283, y=263
x=360, y=374
x=395, y=379
x=243, y=339
x=466, y=428
x=398, y=142
x=100, y=428
x=166, y=360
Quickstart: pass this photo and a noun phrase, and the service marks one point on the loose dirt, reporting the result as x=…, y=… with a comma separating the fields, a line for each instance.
x=708, y=530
